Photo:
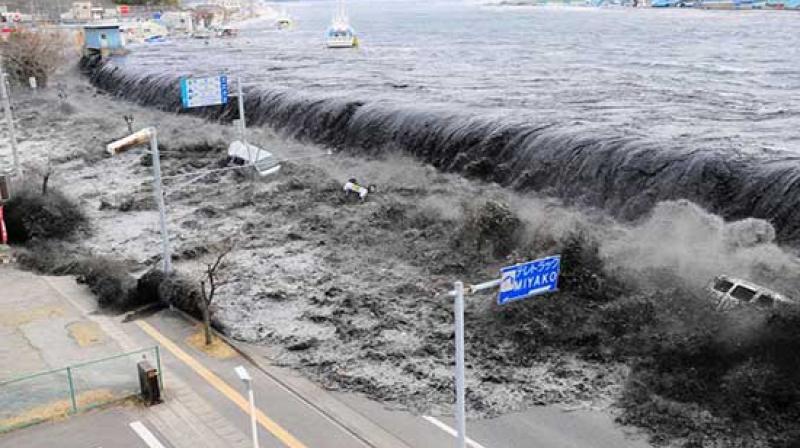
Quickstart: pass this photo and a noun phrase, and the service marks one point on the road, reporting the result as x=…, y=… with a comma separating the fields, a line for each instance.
x=96, y=429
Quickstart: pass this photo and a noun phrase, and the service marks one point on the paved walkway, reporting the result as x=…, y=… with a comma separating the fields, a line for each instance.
x=51, y=322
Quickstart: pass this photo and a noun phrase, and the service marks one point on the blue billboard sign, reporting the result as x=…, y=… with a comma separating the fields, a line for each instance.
x=529, y=279
x=210, y=91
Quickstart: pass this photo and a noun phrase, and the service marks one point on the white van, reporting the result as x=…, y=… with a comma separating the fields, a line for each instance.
x=246, y=154
x=730, y=292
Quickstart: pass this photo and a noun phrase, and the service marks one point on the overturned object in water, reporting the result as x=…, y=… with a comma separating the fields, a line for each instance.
x=731, y=292
x=352, y=186
x=246, y=154
x=126, y=143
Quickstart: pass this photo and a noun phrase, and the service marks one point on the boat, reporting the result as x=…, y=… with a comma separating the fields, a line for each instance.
x=340, y=34
x=284, y=21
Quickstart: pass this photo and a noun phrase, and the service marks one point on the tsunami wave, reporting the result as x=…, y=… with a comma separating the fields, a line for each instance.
x=622, y=175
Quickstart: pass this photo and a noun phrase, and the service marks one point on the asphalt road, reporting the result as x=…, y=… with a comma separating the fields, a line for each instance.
x=108, y=428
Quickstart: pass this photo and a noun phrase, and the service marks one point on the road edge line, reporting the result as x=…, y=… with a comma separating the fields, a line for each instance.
x=306, y=399
x=444, y=427
x=224, y=388
x=148, y=437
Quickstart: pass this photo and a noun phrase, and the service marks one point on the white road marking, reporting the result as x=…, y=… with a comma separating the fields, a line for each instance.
x=145, y=434
x=441, y=425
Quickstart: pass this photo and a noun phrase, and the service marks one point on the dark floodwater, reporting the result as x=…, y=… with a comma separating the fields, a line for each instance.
x=723, y=80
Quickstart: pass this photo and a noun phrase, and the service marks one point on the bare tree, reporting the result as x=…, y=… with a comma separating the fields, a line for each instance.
x=36, y=54
x=211, y=282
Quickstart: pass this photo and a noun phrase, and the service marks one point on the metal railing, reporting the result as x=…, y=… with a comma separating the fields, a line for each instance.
x=60, y=392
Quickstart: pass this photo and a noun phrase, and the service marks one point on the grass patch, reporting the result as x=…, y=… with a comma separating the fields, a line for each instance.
x=57, y=410
x=218, y=349
x=85, y=333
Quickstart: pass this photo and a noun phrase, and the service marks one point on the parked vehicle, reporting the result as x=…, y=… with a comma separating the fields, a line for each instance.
x=731, y=292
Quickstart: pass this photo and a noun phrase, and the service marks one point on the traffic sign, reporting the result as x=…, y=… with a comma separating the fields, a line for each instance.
x=210, y=91
x=529, y=279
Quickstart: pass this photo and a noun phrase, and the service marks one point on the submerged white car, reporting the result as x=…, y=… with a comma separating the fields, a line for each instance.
x=246, y=154
x=730, y=292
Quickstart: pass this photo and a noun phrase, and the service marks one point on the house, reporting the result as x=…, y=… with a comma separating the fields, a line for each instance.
x=81, y=11
x=103, y=39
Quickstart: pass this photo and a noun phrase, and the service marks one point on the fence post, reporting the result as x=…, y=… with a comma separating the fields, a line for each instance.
x=158, y=366
x=72, y=391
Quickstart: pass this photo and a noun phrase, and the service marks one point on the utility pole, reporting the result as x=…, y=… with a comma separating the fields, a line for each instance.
x=461, y=424
x=12, y=137
x=159, y=196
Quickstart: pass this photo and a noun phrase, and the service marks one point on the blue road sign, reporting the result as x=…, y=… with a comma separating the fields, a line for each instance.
x=529, y=279
x=197, y=92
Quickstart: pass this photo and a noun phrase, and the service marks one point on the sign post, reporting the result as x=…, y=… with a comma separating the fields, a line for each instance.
x=199, y=92
x=240, y=102
x=517, y=282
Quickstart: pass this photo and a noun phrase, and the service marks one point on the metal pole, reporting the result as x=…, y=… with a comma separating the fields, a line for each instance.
x=253, y=413
x=4, y=91
x=240, y=100
x=166, y=252
x=72, y=391
x=158, y=366
x=461, y=425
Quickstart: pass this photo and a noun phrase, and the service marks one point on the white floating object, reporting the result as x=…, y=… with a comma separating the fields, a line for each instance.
x=247, y=154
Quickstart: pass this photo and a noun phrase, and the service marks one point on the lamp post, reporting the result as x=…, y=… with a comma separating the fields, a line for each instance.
x=248, y=381
x=140, y=137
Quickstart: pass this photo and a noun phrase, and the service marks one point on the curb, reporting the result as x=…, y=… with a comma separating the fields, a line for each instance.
x=348, y=419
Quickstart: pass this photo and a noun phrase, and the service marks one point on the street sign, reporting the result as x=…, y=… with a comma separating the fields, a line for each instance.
x=529, y=279
x=210, y=91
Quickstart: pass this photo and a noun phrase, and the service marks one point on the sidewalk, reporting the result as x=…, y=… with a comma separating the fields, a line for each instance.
x=50, y=322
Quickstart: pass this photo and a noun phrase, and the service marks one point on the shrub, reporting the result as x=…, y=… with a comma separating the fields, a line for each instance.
x=491, y=229
x=110, y=282
x=30, y=215
x=33, y=54
x=180, y=291
x=147, y=286
x=47, y=257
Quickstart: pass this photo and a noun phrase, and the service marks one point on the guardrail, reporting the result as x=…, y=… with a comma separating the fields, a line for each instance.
x=46, y=395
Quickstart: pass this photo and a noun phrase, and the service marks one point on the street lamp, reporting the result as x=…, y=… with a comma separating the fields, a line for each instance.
x=137, y=138
x=248, y=381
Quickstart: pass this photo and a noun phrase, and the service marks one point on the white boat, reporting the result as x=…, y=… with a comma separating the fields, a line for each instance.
x=341, y=34
x=284, y=21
